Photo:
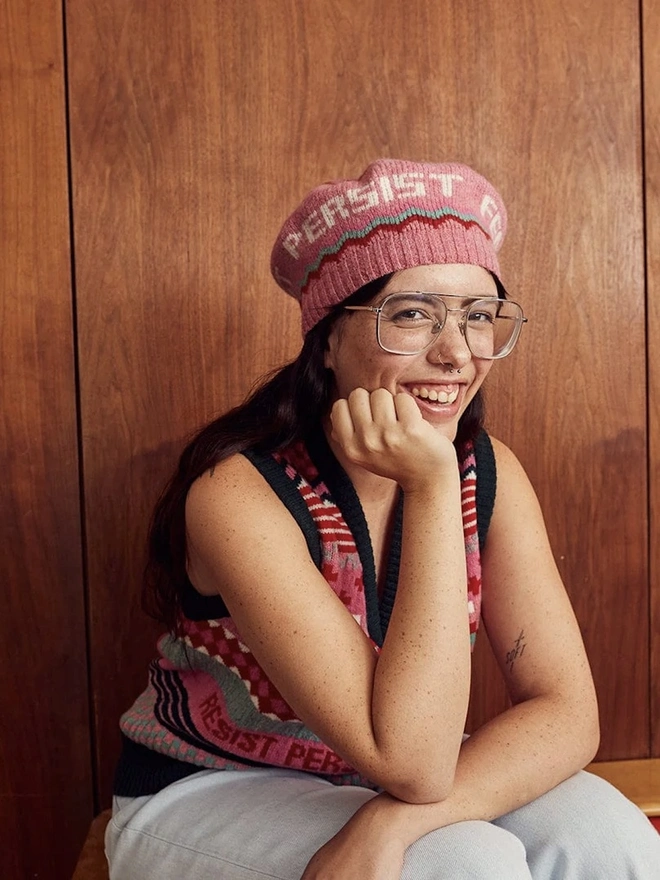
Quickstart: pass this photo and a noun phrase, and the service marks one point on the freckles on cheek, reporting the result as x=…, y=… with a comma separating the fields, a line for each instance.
x=364, y=371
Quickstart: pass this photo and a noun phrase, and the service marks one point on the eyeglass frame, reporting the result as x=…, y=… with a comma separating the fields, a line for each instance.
x=377, y=310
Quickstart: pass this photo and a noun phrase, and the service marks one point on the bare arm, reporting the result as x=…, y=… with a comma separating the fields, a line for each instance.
x=398, y=717
x=551, y=731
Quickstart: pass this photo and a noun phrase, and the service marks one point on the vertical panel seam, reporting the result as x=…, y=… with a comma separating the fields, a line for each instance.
x=93, y=736
x=649, y=547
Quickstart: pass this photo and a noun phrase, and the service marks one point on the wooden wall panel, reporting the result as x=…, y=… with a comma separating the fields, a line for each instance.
x=651, y=70
x=196, y=127
x=578, y=242
x=45, y=762
x=172, y=180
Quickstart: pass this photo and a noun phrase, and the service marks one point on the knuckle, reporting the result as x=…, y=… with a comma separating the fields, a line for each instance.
x=392, y=437
x=371, y=441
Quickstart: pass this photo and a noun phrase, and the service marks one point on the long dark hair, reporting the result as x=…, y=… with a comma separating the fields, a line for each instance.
x=285, y=407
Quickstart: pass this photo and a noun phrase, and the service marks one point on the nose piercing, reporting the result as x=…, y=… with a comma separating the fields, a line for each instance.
x=452, y=370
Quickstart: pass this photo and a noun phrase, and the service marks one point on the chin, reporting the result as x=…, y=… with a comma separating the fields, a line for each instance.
x=448, y=429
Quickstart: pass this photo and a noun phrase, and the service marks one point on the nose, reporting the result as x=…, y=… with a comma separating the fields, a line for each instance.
x=450, y=346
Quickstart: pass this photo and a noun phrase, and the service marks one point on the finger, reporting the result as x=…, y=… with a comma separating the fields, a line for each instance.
x=407, y=411
x=359, y=405
x=341, y=420
x=383, y=410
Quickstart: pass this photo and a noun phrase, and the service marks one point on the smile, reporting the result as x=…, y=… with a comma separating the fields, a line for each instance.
x=435, y=395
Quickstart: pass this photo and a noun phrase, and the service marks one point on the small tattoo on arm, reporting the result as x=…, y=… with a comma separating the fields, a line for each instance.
x=516, y=651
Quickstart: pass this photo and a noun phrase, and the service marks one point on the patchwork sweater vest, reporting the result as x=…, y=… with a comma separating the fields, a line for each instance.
x=209, y=704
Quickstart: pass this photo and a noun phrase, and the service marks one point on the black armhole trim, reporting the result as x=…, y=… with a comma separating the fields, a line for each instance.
x=393, y=566
x=194, y=606
x=486, y=484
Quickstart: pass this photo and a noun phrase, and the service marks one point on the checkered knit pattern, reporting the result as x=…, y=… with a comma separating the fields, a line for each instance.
x=219, y=639
x=209, y=702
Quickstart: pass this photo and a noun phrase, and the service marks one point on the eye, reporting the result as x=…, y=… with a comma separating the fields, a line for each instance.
x=408, y=310
x=483, y=314
x=410, y=316
x=481, y=317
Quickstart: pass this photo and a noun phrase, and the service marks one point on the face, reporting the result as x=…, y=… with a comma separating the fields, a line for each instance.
x=357, y=360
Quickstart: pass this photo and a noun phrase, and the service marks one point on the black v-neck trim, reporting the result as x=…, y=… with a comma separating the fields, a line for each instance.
x=345, y=497
x=393, y=564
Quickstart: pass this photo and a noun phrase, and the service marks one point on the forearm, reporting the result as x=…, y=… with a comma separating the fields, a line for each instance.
x=421, y=684
x=509, y=762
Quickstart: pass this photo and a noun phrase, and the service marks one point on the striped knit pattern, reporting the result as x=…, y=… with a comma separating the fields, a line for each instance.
x=361, y=237
x=396, y=215
x=208, y=701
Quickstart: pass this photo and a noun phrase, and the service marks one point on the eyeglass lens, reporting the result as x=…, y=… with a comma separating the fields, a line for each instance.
x=410, y=322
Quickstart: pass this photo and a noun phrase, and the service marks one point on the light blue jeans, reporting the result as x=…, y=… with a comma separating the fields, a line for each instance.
x=258, y=824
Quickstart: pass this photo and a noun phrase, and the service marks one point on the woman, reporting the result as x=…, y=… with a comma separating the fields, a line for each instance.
x=319, y=558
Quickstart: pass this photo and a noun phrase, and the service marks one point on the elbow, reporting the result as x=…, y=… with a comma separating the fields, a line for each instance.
x=422, y=787
x=582, y=730
x=591, y=739
x=590, y=730
x=422, y=792
x=416, y=776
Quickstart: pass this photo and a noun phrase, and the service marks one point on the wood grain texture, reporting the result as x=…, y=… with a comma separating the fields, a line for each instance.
x=651, y=69
x=45, y=762
x=638, y=780
x=173, y=318
x=197, y=127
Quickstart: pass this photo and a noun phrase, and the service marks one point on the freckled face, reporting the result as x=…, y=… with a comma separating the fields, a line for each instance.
x=357, y=360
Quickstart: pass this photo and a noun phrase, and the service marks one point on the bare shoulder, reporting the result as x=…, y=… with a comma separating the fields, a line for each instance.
x=232, y=489
x=515, y=493
x=233, y=477
x=233, y=517
x=506, y=460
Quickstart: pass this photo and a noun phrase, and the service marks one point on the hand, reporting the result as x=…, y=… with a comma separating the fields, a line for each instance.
x=364, y=849
x=387, y=435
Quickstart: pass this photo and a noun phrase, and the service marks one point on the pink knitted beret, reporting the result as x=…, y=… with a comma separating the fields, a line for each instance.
x=397, y=215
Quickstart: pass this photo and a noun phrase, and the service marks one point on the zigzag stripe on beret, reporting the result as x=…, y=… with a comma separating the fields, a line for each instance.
x=396, y=215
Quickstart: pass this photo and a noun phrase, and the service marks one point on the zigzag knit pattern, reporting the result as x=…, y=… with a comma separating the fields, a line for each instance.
x=209, y=703
x=362, y=237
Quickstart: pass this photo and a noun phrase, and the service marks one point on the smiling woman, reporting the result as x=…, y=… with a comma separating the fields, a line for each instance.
x=414, y=319
x=318, y=560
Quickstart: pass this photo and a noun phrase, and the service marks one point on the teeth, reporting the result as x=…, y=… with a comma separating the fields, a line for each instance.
x=432, y=394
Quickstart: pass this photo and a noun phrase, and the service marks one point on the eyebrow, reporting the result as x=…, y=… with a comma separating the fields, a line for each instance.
x=464, y=300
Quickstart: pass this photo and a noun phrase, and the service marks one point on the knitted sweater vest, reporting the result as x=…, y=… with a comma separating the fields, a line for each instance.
x=209, y=704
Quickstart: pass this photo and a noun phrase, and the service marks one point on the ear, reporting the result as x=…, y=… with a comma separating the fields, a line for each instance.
x=330, y=353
